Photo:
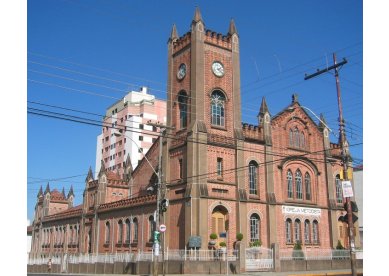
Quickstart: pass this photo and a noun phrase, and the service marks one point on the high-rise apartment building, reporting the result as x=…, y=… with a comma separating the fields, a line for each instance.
x=125, y=132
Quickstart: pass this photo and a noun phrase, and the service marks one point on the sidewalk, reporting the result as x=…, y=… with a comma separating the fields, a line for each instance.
x=339, y=272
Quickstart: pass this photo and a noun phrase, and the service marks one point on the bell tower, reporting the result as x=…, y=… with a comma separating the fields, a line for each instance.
x=204, y=78
x=204, y=107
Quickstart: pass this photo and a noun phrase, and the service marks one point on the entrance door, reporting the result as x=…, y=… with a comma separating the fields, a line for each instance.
x=219, y=222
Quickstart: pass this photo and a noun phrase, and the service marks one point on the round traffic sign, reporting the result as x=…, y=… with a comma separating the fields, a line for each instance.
x=162, y=228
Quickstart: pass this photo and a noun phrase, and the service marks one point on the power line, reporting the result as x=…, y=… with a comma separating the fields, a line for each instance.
x=77, y=119
x=279, y=155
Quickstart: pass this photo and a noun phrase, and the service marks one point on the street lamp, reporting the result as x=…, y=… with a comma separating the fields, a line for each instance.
x=158, y=174
x=118, y=134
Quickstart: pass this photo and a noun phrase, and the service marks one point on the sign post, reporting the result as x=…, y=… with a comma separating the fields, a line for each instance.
x=162, y=228
x=347, y=189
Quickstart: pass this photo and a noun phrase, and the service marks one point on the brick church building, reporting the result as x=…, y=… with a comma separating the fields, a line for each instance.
x=276, y=182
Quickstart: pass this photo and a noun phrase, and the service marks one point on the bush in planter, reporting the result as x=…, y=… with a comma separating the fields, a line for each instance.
x=338, y=253
x=239, y=236
x=256, y=243
x=298, y=253
x=222, y=244
x=339, y=246
x=213, y=236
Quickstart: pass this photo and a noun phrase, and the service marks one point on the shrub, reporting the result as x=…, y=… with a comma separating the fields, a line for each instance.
x=213, y=236
x=339, y=246
x=222, y=244
x=239, y=236
x=255, y=243
x=298, y=253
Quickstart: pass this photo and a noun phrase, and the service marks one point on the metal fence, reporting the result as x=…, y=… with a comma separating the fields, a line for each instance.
x=170, y=254
x=317, y=254
x=40, y=261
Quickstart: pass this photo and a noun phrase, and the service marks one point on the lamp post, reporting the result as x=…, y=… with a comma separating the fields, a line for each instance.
x=159, y=184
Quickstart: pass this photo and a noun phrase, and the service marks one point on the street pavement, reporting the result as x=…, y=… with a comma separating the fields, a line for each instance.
x=341, y=272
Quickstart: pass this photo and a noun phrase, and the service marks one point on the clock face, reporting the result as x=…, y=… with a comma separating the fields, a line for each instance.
x=218, y=69
x=181, y=71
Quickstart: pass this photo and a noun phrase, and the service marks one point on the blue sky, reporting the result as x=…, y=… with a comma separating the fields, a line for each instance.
x=84, y=55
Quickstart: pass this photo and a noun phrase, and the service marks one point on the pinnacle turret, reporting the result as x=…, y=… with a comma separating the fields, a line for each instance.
x=232, y=29
x=322, y=123
x=90, y=174
x=47, y=190
x=71, y=193
x=102, y=168
x=197, y=16
x=40, y=192
x=263, y=109
x=174, y=33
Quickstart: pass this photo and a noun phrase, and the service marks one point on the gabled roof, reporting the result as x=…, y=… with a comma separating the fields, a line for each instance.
x=71, y=212
x=128, y=202
x=111, y=175
x=55, y=195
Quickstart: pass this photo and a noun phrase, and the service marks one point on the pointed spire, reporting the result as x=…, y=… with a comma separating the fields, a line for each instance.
x=174, y=33
x=128, y=161
x=232, y=29
x=90, y=174
x=127, y=168
x=47, y=190
x=323, y=122
x=102, y=168
x=63, y=192
x=40, y=192
x=70, y=191
x=263, y=109
x=197, y=16
x=295, y=98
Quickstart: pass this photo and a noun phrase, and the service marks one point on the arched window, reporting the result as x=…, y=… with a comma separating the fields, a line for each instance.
x=63, y=235
x=307, y=180
x=288, y=230
x=135, y=226
x=183, y=106
x=315, y=232
x=338, y=186
x=289, y=180
x=307, y=232
x=299, y=185
x=297, y=230
x=291, y=139
x=152, y=227
x=296, y=138
x=302, y=140
x=253, y=177
x=56, y=236
x=217, y=108
x=70, y=240
x=128, y=231
x=107, y=232
x=120, y=231
x=254, y=228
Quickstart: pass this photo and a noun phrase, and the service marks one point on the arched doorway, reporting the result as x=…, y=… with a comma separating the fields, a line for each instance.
x=219, y=222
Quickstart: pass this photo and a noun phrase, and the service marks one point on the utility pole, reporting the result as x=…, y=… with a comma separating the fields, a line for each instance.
x=345, y=156
x=162, y=129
